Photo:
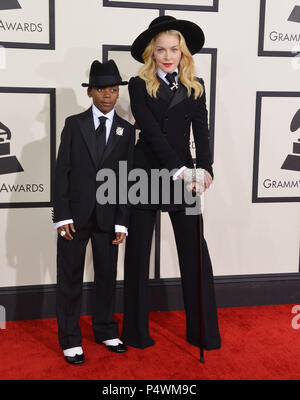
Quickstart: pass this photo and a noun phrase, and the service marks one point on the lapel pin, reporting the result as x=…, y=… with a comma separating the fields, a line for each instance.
x=119, y=131
x=174, y=86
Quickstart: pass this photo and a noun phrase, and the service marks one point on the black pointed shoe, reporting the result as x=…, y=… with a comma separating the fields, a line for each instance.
x=76, y=360
x=120, y=348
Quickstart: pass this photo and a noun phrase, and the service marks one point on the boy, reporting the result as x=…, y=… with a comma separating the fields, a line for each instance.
x=95, y=139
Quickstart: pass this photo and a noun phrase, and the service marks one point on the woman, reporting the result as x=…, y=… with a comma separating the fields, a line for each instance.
x=165, y=100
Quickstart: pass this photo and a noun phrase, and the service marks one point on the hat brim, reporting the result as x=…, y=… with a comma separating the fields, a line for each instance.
x=192, y=33
x=106, y=84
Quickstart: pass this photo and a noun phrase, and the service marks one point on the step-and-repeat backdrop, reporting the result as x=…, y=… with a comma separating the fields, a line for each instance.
x=251, y=68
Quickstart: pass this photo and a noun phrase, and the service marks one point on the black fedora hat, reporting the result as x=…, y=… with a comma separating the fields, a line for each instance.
x=192, y=33
x=104, y=74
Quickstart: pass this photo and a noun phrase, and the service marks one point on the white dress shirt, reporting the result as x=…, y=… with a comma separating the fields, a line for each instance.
x=108, y=123
x=163, y=74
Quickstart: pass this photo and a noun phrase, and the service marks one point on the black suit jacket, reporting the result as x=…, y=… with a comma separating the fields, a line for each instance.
x=165, y=124
x=75, y=182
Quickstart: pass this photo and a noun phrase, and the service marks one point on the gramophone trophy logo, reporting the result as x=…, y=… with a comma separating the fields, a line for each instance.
x=9, y=4
x=8, y=163
x=279, y=33
x=27, y=146
x=276, y=175
x=27, y=24
x=292, y=162
x=295, y=15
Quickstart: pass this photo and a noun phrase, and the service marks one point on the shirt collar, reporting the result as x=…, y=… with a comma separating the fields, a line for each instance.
x=97, y=113
x=163, y=74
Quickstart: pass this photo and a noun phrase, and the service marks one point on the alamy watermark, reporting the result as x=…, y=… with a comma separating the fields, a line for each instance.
x=296, y=318
x=2, y=317
x=139, y=187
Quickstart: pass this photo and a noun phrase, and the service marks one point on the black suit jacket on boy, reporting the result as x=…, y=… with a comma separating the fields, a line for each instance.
x=77, y=164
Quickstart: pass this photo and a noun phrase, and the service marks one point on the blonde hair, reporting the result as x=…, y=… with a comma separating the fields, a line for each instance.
x=186, y=68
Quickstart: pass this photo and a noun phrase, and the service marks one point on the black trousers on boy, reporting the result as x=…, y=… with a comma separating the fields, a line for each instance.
x=70, y=268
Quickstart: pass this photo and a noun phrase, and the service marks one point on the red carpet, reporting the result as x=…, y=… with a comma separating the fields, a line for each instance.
x=257, y=343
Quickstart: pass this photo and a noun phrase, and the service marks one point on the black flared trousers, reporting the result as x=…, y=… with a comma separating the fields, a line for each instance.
x=136, y=307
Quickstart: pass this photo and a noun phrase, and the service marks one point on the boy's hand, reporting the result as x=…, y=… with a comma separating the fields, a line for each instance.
x=66, y=228
x=120, y=236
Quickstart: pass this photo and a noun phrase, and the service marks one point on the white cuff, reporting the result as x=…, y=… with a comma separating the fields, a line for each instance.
x=175, y=176
x=61, y=223
x=121, y=228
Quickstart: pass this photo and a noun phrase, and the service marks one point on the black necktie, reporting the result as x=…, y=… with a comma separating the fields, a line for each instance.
x=172, y=82
x=101, y=137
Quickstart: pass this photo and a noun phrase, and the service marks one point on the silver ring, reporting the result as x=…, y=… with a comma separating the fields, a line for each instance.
x=62, y=233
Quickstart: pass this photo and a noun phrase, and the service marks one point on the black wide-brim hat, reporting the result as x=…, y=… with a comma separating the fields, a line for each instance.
x=104, y=74
x=192, y=33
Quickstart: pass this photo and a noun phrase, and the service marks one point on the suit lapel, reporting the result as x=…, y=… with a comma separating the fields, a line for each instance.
x=164, y=91
x=87, y=128
x=113, y=138
x=179, y=96
x=171, y=98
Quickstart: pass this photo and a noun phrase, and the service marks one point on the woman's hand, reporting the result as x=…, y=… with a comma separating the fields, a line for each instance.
x=192, y=174
x=207, y=180
x=200, y=182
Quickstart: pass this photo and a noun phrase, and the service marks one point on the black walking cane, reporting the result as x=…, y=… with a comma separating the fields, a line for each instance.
x=201, y=317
